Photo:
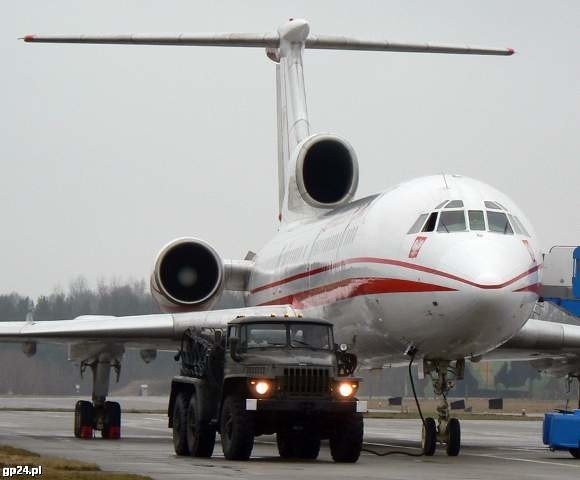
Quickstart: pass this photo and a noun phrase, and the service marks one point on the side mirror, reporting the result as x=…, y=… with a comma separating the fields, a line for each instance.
x=234, y=345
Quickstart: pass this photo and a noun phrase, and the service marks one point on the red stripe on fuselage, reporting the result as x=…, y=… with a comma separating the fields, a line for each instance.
x=397, y=263
x=354, y=287
x=534, y=287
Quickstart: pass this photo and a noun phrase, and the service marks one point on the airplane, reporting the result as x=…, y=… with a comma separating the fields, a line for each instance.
x=433, y=271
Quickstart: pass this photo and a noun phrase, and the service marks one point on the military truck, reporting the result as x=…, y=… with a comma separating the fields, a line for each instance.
x=263, y=376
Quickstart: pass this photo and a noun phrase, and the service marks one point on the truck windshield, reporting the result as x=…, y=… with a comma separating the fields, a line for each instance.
x=310, y=336
x=297, y=335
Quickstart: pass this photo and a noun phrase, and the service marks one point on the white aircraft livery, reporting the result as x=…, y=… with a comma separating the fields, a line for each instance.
x=435, y=271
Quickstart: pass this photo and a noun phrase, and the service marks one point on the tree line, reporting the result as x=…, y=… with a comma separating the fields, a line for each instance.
x=113, y=298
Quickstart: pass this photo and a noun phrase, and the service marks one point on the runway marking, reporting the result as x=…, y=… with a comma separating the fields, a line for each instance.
x=515, y=459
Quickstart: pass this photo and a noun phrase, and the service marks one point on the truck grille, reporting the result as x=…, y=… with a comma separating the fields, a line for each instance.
x=304, y=381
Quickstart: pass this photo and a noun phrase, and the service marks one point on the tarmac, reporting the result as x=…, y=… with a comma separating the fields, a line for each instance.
x=499, y=449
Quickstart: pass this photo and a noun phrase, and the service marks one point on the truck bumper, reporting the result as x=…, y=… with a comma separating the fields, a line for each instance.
x=306, y=406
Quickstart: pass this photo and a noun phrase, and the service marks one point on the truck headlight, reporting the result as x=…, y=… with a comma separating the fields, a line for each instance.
x=261, y=387
x=347, y=389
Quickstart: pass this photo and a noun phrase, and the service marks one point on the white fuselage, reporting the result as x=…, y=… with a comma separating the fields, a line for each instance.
x=451, y=294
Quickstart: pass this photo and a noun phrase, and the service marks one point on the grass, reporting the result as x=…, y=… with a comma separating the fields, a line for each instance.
x=56, y=468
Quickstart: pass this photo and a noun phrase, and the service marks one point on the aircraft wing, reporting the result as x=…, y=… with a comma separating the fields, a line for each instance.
x=158, y=330
x=550, y=340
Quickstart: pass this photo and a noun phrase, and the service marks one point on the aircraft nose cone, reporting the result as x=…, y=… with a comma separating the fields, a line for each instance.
x=486, y=265
x=488, y=310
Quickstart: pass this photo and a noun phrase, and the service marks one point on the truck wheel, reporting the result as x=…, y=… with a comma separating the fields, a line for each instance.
x=180, y=424
x=237, y=429
x=200, y=436
x=346, y=441
x=575, y=452
x=308, y=445
x=305, y=444
x=112, y=421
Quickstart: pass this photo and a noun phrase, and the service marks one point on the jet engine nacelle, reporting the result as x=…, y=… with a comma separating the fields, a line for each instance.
x=326, y=170
x=188, y=276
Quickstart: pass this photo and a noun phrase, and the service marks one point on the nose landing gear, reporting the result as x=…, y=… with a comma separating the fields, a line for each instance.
x=446, y=430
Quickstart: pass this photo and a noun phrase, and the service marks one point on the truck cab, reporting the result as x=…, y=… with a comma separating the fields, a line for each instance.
x=267, y=375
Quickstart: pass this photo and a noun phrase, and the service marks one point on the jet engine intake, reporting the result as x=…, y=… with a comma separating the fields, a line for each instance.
x=188, y=276
x=326, y=171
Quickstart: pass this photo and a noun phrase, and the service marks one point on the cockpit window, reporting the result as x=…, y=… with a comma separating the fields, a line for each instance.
x=519, y=222
x=498, y=222
x=453, y=221
x=455, y=204
x=492, y=205
x=418, y=224
x=441, y=204
x=515, y=224
x=518, y=225
x=476, y=220
x=430, y=225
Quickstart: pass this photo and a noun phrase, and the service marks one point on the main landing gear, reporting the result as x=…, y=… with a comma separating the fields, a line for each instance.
x=446, y=430
x=99, y=414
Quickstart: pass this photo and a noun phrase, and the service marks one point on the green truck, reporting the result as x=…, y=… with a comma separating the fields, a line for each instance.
x=264, y=376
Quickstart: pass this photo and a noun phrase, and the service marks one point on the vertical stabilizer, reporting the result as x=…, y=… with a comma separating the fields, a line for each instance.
x=292, y=113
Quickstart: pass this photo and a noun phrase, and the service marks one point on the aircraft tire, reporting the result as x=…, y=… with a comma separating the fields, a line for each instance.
x=111, y=421
x=429, y=437
x=236, y=429
x=453, y=432
x=304, y=445
x=200, y=435
x=84, y=419
x=180, y=424
x=575, y=452
x=346, y=441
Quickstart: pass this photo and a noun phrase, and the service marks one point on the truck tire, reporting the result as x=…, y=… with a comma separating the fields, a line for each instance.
x=180, y=424
x=346, y=441
x=304, y=445
x=236, y=429
x=200, y=435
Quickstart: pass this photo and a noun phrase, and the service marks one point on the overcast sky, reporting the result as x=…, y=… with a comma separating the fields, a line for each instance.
x=108, y=152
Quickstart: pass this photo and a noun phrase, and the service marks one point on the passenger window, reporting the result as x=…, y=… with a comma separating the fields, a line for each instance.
x=455, y=204
x=515, y=224
x=430, y=225
x=493, y=205
x=418, y=224
x=476, y=220
x=452, y=221
x=498, y=222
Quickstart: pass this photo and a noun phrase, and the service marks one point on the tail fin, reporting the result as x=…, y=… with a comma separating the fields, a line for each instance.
x=285, y=47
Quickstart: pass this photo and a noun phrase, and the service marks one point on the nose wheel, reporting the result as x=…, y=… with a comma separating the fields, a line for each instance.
x=446, y=430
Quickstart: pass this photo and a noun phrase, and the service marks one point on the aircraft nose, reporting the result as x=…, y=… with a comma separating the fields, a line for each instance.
x=487, y=264
x=488, y=308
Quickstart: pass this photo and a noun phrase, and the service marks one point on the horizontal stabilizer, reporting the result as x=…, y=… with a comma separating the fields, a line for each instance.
x=268, y=40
